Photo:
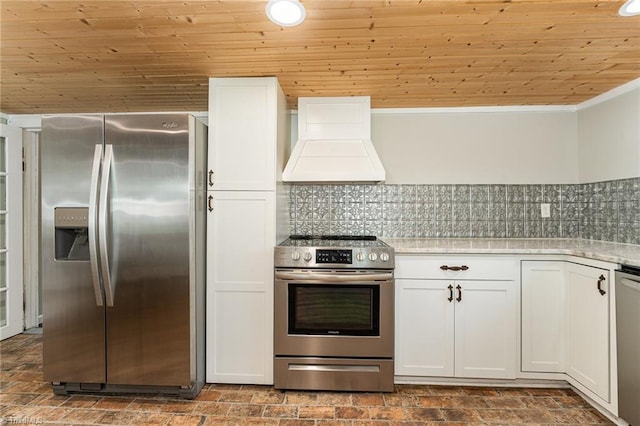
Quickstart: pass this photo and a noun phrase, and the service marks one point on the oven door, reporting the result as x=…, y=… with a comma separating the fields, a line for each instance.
x=334, y=313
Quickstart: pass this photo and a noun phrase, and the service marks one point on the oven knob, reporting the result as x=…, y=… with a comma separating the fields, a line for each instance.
x=384, y=256
x=360, y=256
x=307, y=257
x=295, y=255
x=373, y=257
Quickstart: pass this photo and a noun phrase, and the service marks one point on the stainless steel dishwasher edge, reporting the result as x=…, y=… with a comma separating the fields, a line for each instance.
x=628, y=334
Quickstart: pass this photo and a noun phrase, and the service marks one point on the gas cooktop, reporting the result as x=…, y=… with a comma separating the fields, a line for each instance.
x=334, y=251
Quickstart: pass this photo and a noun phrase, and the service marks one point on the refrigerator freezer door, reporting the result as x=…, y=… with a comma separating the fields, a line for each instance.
x=149, y=327
x=74, y=326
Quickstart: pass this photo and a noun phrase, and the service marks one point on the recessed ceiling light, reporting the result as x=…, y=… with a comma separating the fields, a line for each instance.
x=287, y=13
x=630, y=8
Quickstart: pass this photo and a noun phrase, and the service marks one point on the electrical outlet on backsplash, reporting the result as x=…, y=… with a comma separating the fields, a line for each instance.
x=608, y=211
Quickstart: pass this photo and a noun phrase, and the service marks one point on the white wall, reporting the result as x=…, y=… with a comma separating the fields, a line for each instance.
x=509, y=145
x=491, y=146
x=609, y=135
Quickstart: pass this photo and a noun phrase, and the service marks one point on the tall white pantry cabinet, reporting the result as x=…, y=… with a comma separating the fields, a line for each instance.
x=247, y=217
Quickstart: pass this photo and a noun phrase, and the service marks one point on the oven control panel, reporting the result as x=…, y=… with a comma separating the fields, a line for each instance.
x=334, y=256
x=286, y=257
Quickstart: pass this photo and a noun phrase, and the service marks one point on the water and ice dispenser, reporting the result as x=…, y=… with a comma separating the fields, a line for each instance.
x=71, y=233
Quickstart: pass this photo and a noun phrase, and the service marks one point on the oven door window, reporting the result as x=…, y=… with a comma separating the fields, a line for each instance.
x=345, y=310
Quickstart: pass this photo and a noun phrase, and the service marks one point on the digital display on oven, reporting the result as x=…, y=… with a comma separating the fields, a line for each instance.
x=334, y=256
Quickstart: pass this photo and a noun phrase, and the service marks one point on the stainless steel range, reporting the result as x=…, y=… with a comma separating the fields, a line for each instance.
x=334, y=315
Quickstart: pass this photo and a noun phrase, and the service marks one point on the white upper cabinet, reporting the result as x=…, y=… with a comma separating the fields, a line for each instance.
x=246, y=138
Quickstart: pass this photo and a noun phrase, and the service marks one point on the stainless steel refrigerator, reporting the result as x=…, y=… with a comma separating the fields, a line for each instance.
x=123, y=252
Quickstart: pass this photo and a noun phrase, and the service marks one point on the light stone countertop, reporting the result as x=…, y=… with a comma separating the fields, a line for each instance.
x=628, y=254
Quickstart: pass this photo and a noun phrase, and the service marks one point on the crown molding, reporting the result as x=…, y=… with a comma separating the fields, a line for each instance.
x=615, y=92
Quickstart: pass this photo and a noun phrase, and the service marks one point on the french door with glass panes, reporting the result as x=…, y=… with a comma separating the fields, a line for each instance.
x=11, y=286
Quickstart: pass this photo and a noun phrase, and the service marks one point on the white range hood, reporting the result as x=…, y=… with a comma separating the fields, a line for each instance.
x=334, y=142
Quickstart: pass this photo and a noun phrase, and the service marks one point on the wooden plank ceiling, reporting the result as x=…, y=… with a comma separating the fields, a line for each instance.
x=151, y=55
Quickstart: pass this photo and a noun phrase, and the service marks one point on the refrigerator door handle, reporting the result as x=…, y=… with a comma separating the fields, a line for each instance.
x=93, y=211
x=109, y=287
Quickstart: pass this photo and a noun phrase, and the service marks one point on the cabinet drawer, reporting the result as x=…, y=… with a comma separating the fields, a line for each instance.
x=482, y=267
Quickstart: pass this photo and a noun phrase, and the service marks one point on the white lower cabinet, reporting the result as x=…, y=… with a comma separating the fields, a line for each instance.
x=459, y=316
x=543, y=316
x=454, y=327
x=566, y=323
x=238, y=327
x=424, y=328
x=485, y=329
x=241, y=234
x=587, y=329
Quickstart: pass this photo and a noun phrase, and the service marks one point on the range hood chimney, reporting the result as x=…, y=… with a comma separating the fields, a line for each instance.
x=334, y=142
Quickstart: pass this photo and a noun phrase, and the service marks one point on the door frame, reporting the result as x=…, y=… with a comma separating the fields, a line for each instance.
x=31, y=184
x=31, y=125
x=14, y=228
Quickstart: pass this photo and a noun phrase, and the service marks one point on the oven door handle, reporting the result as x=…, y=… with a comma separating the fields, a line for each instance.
x=333, y=278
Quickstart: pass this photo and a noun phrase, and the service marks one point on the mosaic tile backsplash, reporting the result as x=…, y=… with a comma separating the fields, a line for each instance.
x=608, y=211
